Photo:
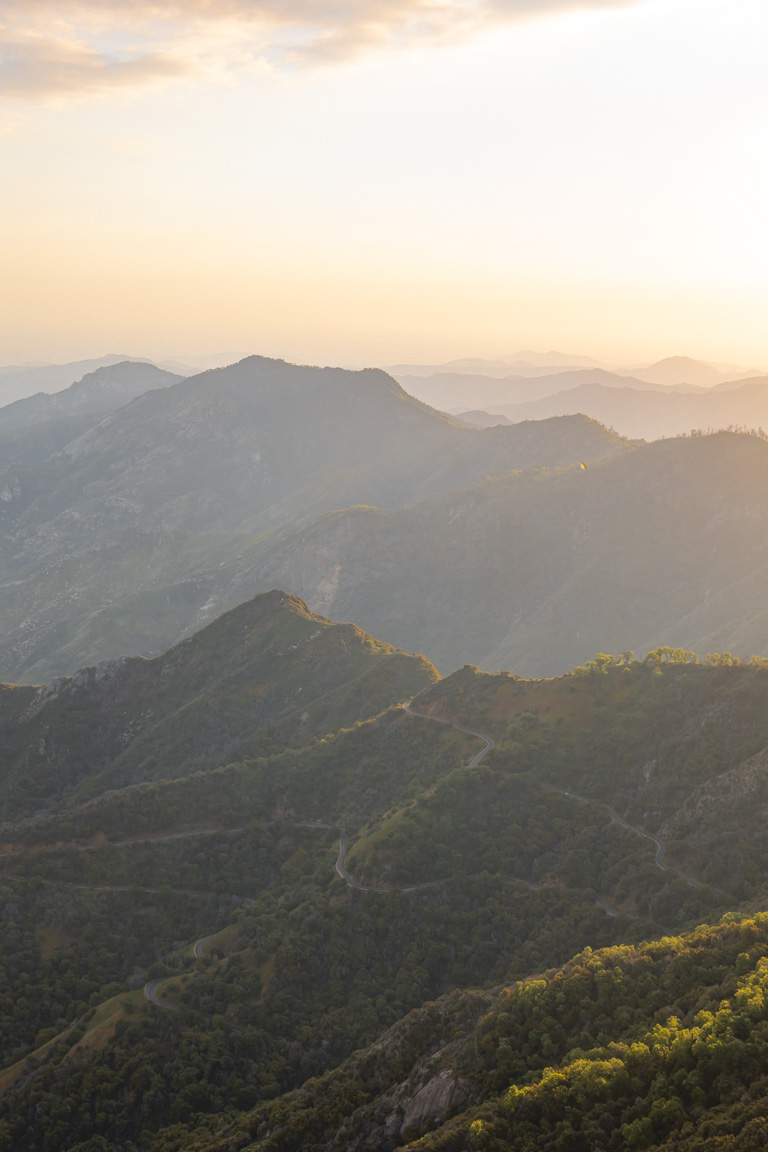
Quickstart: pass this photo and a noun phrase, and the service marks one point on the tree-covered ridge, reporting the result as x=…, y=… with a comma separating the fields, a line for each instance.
x=659, y=1045
x=347, y=778
x=265, y=675
x=479, y=876
x=674, y=747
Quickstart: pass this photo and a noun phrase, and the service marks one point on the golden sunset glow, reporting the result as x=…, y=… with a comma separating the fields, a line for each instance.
x=384, y=182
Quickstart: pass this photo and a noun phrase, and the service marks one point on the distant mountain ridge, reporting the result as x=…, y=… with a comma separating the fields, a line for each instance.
x=649, y=414
x=19, y=381
x=683, y=370
x=119, y=541
x=452, y=391
x=34, y=427
x=476, y=383
x=664, y=544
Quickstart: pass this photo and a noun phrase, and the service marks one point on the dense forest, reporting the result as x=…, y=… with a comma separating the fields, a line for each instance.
x=279, y=948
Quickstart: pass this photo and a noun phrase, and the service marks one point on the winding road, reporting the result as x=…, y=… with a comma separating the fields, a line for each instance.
x=661, y=848
x=197, y=951
x=439, y=720
x=341, y=859
x=150, y=989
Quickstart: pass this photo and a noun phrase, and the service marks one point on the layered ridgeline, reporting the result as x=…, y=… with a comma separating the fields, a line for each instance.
x=641, y=412
x=462, y=543
x=610, y=809
x=21, y=381
x=666, y=543
x=146, y=526
x=33, y=428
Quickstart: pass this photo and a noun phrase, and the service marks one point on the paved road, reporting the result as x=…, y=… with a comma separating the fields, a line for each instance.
x=661, y=848
x=606, y=907
x=341, y=870
x=341, y=858
x=150, y=991
x=197, y=951
x=149, y=839
x=246, y=901
x=439, y=720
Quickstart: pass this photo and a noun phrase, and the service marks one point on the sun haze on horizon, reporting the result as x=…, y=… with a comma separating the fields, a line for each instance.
x=381, y=181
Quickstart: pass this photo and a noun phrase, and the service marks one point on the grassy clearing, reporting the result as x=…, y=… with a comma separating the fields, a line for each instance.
x=98, y=1031
x=101, y=1027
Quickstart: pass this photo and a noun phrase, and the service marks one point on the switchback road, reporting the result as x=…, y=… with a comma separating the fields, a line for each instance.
x=150, y=989
x=661, y=847
x=439, y=720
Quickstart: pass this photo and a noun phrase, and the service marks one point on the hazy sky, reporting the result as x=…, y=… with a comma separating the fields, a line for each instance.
x=364, y=181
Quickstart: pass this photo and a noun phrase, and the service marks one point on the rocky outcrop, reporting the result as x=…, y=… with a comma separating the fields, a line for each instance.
x=431, y=1103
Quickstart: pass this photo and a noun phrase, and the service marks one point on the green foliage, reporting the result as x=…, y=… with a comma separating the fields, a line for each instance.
x=502, y=875
x=665, y=1044
x=667, y=655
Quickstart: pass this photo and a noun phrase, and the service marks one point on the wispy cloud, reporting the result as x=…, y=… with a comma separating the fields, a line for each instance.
x=41, y=66
x=64, y=48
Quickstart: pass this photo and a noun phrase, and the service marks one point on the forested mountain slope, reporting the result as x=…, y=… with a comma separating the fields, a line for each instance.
x=463, y=870
x=145, y=527
x=665, y=544
x=659, y=1046
x=269, y=667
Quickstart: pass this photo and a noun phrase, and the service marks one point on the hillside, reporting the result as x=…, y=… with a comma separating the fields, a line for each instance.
x=468, y=875
x=650, y=1047
x=535, y=572
x=140, y=530
x=268, y=671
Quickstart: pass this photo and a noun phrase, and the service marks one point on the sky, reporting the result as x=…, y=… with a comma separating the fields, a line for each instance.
x=380, y=181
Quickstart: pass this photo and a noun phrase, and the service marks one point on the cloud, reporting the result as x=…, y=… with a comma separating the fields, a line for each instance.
x=40, y=66
x=65, y=48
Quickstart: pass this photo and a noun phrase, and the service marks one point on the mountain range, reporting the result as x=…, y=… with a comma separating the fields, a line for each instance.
x=649, y=415
x=669, y=372
x=271, y=881
x=536, y=571
x=146, y=524
x=528, y=546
